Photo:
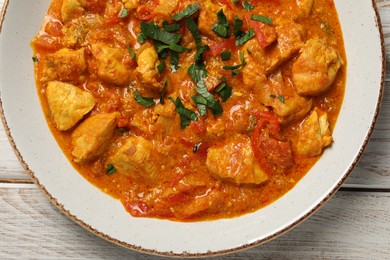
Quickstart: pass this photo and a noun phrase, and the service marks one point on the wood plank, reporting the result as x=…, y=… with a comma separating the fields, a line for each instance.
x=352, y=225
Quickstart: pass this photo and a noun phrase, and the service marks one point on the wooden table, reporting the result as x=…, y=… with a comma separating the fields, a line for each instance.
x=354, y=224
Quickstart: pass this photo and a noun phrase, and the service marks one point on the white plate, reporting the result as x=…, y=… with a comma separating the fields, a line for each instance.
x=37, y=150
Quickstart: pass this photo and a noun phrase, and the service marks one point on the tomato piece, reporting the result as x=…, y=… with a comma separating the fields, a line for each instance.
x=54, y=28
x=272, y=154
x=137, y=208
x=219, y=47
x=146, y=11
x=45, y=42
x=265, y=33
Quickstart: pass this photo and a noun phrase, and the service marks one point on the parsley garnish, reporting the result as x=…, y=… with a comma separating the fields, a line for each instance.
x=224, y=90
x=197, y=71
x=235, y=68
x=162, y=101
x=226, y=55
x=260, y=18
x=237, y=27
x=248, y=6
x=34, y=59
x=110, y=169
x=144, y=101
x=171, y=27
x=131, y=52
x=151, y=31
x=246, y=37
x=222, y=27
x=186, y=115
x=174, y=61
x=186, y=12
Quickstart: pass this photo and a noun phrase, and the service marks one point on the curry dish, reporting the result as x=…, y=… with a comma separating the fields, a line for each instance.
x=191, y=110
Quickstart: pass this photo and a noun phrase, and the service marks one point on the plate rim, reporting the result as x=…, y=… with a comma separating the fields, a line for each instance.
x=268, y=238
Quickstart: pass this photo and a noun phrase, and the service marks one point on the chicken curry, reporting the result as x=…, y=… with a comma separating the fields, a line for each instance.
x=191, y=110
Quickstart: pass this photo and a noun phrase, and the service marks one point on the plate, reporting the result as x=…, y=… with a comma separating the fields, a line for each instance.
x=104, y=216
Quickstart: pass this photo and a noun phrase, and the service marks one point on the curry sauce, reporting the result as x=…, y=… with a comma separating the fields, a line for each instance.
x=191, y=110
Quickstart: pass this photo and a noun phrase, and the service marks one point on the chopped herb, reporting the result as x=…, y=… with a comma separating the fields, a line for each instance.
x=193, y=28
x=224, y=90
x=226, y=55
x=186, y=12
x=131, y=52
x=123, y=13
x=281, y=98
x=34, y=59
x=151, y=31
x=235, y=68
x=110, y=169
x=172, y=47
x=260, y=18
x=234, y=1
x=206, y=99
x=201, y=104
x=246, y=37
x=186, y=115
x=200, y=51
x=161, y=67
x=171, y=27
x=162, y=101
x=248, y=6
x=222, y=27
x=174, y=61
x=237, y=27
x=197, y=71
x=144, y=101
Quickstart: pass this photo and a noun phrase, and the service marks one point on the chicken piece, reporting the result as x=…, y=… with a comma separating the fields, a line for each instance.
x=290, y=41
x=75, y=32
x=167, y=120
x=166, y=8
x=146, y=71
x=305, y=7
x=71, y=9
x=64, y=65
x=135, y=158
x=110, y=66
x=314, y=134
x=131, y=5
x=235, y=162
x=68, y=104
x=93, y=136
x=286, y=103
x=208, y=17
x=316, y=68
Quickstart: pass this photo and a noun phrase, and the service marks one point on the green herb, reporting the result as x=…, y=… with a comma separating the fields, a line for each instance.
x=186, y=115
x=200, y=51
x=186, y=12
x=123, y=13
x=226, y=55
x=260, y=18
x=110, y=169
x=162, y=101
x=171, y=27
x=174, y=61
x=237, y=32
x=246, y=37
x=224, y=90
x=206, y=99
x=151, y=31
x=197, y=71
x=161, y=67
x=235, y=68
x=222, y=27
x=131, y=52
x=248, y=6
x=281, y=98
x=172, y=47
x=193, y=28
x=34, y=59
x=235, y=1
x=144, y=101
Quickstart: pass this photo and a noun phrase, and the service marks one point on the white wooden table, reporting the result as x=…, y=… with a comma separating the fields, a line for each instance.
x=354, y=224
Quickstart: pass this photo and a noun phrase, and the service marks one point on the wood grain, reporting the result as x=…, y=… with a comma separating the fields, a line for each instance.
x=338, y=230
